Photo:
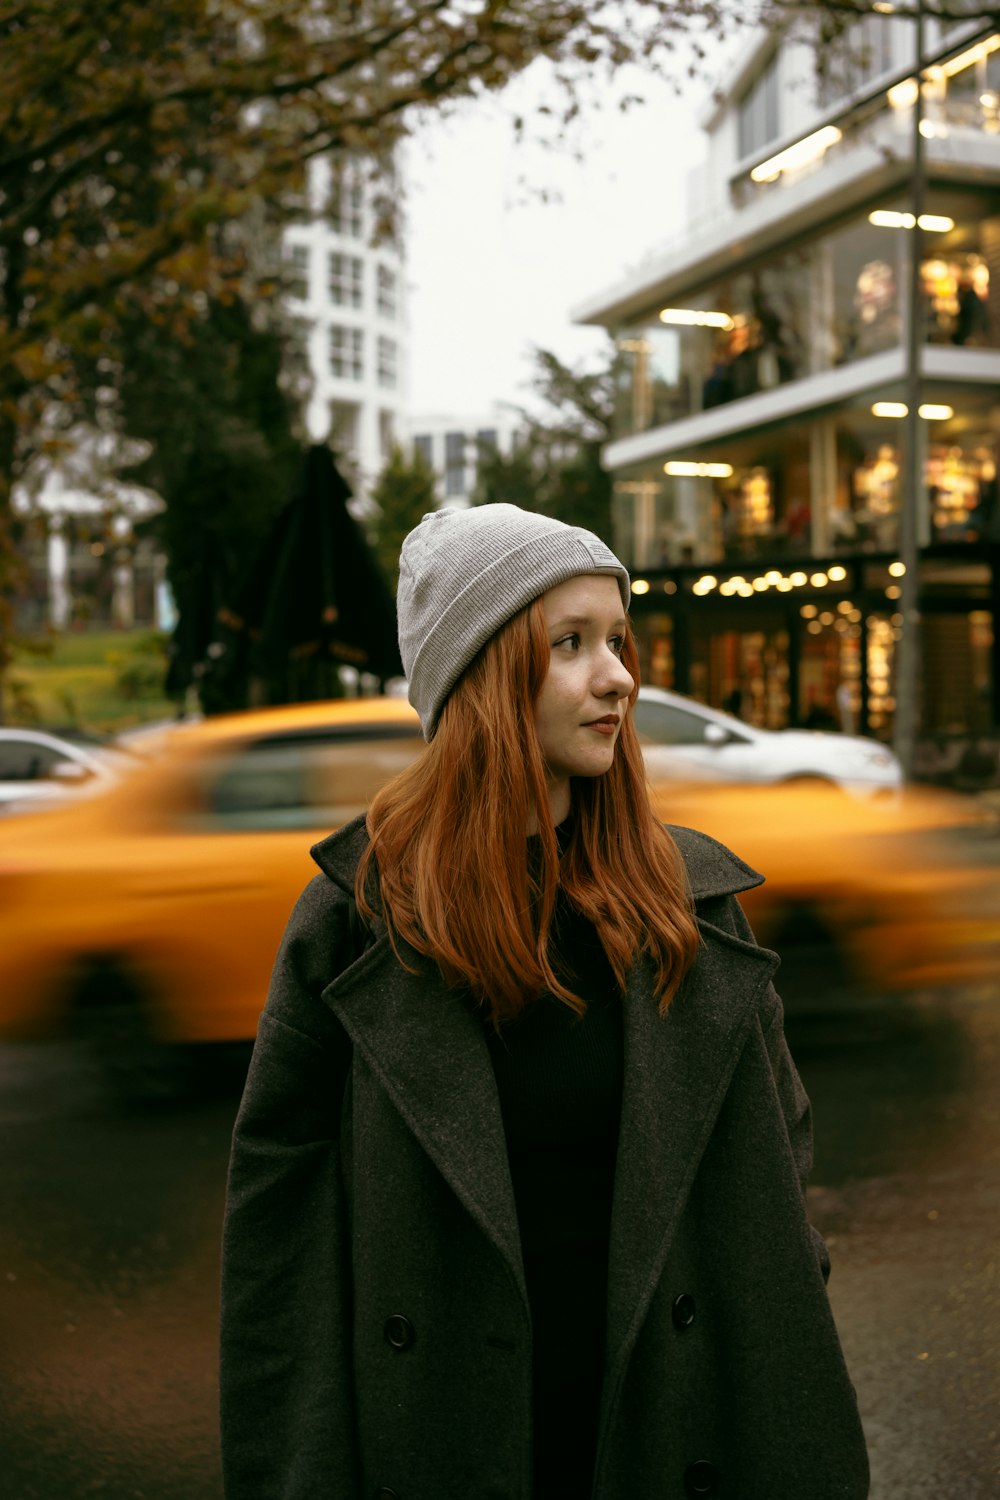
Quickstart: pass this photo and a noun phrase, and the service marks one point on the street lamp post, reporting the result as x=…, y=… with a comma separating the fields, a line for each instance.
x=908, y=655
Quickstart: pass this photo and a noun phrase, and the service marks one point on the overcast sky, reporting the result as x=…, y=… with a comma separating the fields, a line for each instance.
x=492, y=269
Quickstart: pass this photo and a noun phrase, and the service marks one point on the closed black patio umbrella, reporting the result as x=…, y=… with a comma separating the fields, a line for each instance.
x=314, y=597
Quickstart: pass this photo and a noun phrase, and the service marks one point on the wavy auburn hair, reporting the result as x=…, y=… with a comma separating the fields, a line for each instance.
x=449, y=838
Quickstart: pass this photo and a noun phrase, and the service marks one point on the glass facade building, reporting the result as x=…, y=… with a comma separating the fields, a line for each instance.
x=758, y=459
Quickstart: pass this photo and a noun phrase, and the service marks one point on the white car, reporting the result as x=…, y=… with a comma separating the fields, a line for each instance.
x=685, y=741
x=38, y=768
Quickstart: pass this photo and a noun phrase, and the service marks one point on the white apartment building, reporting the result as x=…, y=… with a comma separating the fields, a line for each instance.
x=757, y=457
x=454, y=445
x=346, y=292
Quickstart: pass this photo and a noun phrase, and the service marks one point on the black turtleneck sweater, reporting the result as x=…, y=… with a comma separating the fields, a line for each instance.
x=559, y=1078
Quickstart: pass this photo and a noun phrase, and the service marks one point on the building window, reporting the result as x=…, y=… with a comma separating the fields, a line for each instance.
x=346, y=206
x=862, y=51
x=296, y=363
x=454, y=464
x=386, y=432
x=297, y=272
x=757, y=114
x=387, y=371
x=345, y=280
x=424, y=445
x=387, y=301
x=346, y=353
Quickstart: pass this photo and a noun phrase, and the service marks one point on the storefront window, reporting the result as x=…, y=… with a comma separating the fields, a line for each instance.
x=744, y=672
x=829, y=680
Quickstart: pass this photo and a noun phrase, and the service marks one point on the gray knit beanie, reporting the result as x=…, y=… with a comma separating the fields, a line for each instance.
x=464, y=573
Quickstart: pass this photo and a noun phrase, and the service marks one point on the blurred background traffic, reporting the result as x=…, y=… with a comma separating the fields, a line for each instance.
x=220, y=413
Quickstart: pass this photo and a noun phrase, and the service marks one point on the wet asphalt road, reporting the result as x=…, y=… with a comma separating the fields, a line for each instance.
x=109, y=1255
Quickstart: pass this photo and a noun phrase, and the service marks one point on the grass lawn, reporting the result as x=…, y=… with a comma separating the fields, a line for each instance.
x=100, y=680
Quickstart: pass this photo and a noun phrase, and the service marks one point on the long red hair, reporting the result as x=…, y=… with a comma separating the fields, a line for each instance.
x=448, y=837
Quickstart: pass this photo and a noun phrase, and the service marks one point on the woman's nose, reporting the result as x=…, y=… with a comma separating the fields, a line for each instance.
x=617, y=678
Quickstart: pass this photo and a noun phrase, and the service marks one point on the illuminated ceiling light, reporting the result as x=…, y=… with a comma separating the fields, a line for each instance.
x=837, y=574
x=893, y=591
x=773, y=578
x=640, y=586
x=897, y=569
x=884, y=7
x=689, y=317
x=760, y=584
x=783, y=585
x=682, y=468
x=973, y=55
x=670, y=587
x=890, y=218
x=818, y=580
x=810, y=148
x=808, y=611
x=903, y=95
x=890, y=409
x=932, y=413
x=707, y=583
x=798, y=579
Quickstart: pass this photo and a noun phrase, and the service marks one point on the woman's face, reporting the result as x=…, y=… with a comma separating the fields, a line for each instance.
x=579, y=710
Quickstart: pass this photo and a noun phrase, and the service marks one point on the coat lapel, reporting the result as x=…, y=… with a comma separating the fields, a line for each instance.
x=677, y=1071
x=426, y=1046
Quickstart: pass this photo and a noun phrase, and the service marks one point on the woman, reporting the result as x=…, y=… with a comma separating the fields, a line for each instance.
x=516, y=1207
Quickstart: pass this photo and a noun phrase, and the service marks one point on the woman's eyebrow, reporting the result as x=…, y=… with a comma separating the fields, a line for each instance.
x=618, y=623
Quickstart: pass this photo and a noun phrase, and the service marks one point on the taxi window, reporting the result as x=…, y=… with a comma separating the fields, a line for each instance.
x=664, y=724
x=299, y=781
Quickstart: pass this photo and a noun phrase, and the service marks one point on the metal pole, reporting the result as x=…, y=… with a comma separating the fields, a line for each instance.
x=912, y=488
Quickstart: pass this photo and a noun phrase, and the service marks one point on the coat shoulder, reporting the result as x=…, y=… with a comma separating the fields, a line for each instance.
x=712, y=869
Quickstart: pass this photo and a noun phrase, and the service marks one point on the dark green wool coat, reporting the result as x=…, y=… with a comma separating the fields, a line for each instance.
x=376, y=1337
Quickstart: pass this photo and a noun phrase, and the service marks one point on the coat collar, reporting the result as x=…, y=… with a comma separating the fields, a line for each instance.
x=425, y=1044
x=713, y=870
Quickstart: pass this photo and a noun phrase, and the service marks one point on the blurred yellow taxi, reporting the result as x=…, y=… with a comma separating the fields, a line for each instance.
x=164, y=898
x=893, y=893
x=174, y=886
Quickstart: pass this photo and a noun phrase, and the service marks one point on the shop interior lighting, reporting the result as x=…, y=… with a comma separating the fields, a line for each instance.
x=810, y=148
x=836, y=574
x=897, y=569
x=934, y=413
x=681, y=468
x=889, y=218
x=819, y=580
x=690, y=317
x=640, y=586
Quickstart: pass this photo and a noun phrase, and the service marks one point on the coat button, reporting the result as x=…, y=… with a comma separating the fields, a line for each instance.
x=682, y=1311
x=400, y=1333
x=700, y=1478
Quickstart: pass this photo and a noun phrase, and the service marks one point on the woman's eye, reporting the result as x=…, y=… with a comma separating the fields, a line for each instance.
x=617, y=644
x=572, y=641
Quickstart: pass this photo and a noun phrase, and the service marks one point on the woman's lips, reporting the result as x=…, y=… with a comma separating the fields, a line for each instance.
x=607, y=725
